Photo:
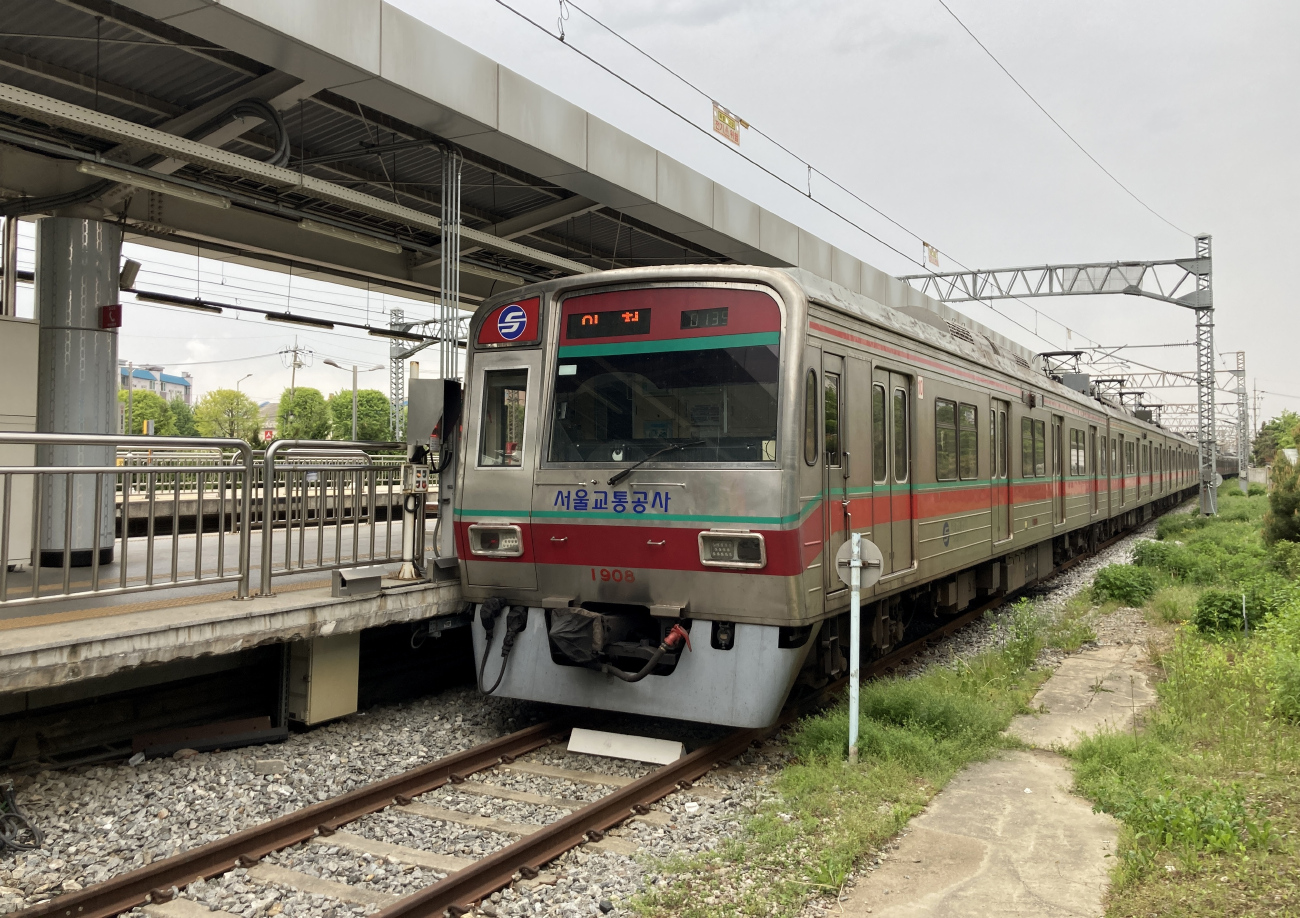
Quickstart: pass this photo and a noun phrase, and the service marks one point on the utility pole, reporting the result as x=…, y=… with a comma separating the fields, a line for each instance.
x=293, y=358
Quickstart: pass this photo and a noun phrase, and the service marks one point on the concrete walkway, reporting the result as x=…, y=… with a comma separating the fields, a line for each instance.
x=1006, y=837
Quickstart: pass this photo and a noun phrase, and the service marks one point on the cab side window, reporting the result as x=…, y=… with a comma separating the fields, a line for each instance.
x=505, y=399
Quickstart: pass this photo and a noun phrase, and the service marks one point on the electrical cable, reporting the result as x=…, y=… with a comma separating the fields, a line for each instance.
x=811, y=169
x=1058, y=124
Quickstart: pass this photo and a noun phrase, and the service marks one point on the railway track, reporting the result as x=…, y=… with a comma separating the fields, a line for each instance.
x=465, y=882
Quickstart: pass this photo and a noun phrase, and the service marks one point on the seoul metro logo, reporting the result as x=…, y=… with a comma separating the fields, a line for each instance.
x=512, y=321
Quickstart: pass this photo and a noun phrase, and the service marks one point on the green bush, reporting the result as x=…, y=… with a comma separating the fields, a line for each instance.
x=1283, y=628
x=1221, y=610
x=1125, y=583
x=1282, y=523
x=1257, y=490
x=1286, y=559
x=1286, y=685
x=1173, y=558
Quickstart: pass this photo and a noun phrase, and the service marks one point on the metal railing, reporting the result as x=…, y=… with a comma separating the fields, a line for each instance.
x=65, y=504
x=90, y=516
x=315, y=493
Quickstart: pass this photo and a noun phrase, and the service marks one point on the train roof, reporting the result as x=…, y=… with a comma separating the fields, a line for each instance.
x=915, y=315
x=886, y=302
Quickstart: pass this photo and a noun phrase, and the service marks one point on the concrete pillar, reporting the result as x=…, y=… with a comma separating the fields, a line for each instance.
x=76, y=273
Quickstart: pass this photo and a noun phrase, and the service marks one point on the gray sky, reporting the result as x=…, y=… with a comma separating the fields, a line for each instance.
x=1192, y=105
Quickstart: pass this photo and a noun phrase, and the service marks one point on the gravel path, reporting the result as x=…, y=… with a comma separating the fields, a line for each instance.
x=103, y=820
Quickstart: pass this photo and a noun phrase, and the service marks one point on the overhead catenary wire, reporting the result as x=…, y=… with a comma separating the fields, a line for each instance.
x=1028, y=95
x=806, y=194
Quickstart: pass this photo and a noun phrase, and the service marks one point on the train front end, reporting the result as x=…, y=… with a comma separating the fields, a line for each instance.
x=623, y=521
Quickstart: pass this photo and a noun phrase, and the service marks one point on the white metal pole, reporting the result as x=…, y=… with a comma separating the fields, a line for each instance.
x=354, y=403
x=855, y=642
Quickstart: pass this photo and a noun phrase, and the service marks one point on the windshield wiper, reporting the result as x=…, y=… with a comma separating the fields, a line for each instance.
x=620, y=475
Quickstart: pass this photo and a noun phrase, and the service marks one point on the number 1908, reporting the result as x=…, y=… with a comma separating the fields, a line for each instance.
x=607, y=575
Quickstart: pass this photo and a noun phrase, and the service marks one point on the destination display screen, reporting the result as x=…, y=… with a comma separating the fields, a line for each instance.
x=704, y=318
x=610, y=324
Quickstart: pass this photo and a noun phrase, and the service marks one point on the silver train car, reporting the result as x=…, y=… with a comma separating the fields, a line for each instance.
x=657, y=466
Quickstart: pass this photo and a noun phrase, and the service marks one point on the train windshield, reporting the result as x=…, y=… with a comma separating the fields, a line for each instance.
x=689, y=372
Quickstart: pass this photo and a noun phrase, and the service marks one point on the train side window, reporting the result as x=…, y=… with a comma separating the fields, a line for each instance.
x=968, y=442
x=1040, y=449
x=831, y=424
x=879, y=446
x=945, y=439
x=1002, y=448
x=1026, y=448
x=810, y=419
x=1113, y=460
x=505, y=400
x=900, y=435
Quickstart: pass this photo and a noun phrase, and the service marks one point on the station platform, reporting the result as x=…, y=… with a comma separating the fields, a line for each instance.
x=46, y=649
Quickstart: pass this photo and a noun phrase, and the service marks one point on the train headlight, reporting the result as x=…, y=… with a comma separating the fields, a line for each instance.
x=724, y=548
x=496, y=540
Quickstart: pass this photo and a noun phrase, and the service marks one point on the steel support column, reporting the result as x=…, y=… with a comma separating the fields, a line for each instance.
x=396, y=376
x=1204, y=306
x=449, y=298
x=1243, y=425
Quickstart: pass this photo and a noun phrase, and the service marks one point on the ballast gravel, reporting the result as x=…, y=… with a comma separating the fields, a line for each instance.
x=103, y=820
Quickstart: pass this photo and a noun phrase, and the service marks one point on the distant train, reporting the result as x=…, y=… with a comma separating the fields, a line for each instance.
x=659, y=464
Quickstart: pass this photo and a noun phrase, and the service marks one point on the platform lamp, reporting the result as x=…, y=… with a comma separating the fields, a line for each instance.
x=355, y=370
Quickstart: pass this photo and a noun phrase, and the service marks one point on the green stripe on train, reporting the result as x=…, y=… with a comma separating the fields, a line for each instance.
x=710, y=343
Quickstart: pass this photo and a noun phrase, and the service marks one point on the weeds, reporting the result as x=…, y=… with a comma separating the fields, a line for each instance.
x=1124, y=582
x=1206, y=793
x=823, y=815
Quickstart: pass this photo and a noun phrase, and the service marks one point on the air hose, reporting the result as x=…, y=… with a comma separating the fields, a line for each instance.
x=516, y=622
x=675, y=637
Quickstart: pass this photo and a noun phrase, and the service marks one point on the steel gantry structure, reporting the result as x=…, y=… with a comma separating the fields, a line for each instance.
x=1185, y=282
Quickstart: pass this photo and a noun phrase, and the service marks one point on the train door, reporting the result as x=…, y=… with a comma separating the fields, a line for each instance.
x=1096, y=474
x=835, y=469
x=1058, y=466
x=1125, y=463
x=1110, y=478
x=1000, y=469
x=500, y=448
x=882, y=526
x=898, y=485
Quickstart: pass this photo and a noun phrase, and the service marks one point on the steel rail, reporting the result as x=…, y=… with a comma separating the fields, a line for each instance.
x=154, y=882
x=460, y=890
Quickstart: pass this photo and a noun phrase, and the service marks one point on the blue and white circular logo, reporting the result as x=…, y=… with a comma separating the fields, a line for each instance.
x=512, y=321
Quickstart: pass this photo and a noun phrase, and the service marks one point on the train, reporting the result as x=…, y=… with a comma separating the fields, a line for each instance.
x=658, y=465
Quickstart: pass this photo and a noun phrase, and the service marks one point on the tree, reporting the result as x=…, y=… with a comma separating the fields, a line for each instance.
x=302, y=415
x=1282, y=522
x=227, y=413
x=1282, y=432
x=183, y=418
x=372, y=415
x=146, y=406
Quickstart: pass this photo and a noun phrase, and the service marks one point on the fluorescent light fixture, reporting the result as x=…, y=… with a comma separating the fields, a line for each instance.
x=167, y=299
x=160, y=185
x=326, y=229
x=397, y=335
x=291, y=319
